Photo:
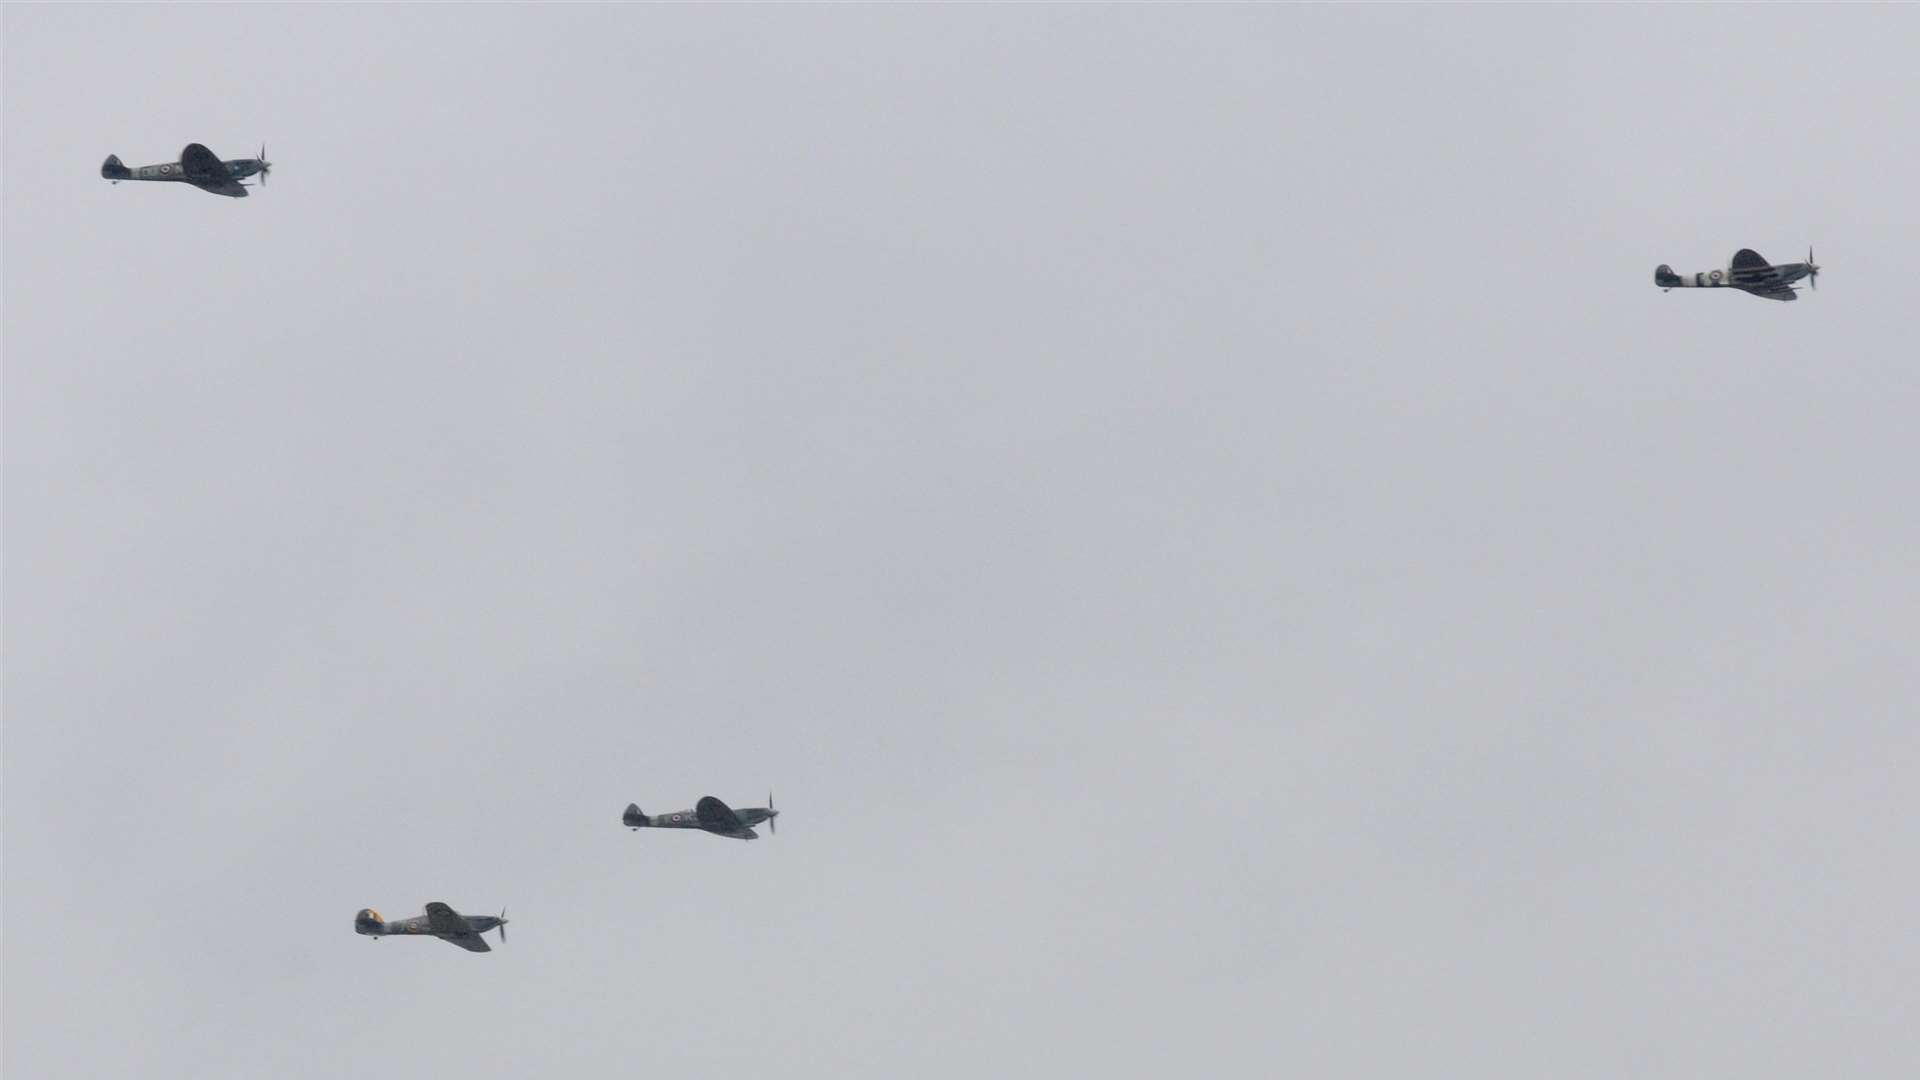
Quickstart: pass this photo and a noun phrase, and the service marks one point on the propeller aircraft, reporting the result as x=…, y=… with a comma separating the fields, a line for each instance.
x=1749, y=272
x=710, y=814
x=198, y=166
x=440, y=921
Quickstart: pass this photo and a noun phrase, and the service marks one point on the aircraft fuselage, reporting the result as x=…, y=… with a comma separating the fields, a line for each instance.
x=369, y=923
x=685, y=819
x=1782, y=274
x=237, y=169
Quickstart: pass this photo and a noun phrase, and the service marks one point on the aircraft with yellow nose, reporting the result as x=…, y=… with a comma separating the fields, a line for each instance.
x=440, y=921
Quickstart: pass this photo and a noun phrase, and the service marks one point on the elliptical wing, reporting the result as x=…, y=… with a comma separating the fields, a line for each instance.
x=716, y=816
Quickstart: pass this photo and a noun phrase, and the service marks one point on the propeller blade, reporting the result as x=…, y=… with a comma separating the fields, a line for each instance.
x=503, y=911
x=773, y=818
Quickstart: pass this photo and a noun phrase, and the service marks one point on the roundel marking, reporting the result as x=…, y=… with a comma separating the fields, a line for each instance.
x=165, y=169
x=1715, y=275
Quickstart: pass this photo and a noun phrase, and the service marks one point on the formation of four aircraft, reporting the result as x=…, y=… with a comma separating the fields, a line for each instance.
x=201, y=167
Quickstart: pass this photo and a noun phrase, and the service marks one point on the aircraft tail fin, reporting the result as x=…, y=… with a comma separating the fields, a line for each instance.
x=633, y=816
x=368, y=922
x=111, y=169
x=1664, y=277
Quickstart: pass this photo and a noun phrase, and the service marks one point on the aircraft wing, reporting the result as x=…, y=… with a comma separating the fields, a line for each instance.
x=716, y=816
x=1783, y=292
x=469, y=942
x=443, y=920
x=233, y=189
x=200, y=163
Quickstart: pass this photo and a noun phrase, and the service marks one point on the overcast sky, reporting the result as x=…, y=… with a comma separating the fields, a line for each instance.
x=1200, y=517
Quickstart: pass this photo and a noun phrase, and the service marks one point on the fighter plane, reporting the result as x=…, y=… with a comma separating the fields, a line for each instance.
x=710, y=814
x=440, y=921
x=1748, y=272
x=198, y=166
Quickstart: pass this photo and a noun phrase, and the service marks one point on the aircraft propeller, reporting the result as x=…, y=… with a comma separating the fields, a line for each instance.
x=502, y=927
x=265, y=168
x=773, y=816
x=1813, y=270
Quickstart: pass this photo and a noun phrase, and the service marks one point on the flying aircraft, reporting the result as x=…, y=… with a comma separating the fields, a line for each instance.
x=1749, y=272
x=440, y=921
x=710, y=814
x=198, y=166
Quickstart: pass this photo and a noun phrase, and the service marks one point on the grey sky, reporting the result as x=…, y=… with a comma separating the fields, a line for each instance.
x=1199, y=515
